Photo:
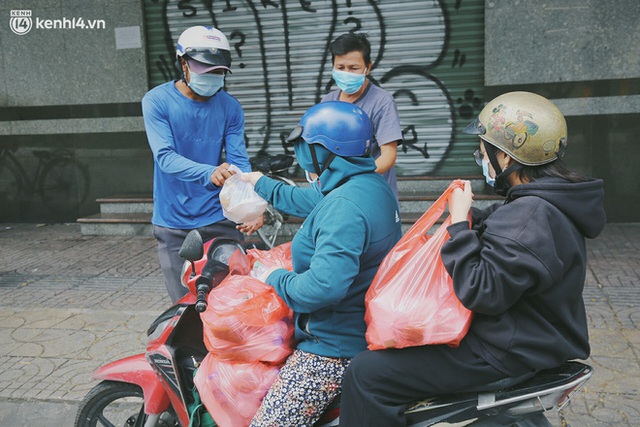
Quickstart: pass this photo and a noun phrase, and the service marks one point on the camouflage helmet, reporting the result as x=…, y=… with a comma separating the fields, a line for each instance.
x=526, y=126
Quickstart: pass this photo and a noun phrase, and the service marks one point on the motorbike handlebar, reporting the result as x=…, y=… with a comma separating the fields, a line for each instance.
x=212, y=274
x=201, y=303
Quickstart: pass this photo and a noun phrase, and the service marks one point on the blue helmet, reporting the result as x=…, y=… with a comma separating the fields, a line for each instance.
x=341, y=127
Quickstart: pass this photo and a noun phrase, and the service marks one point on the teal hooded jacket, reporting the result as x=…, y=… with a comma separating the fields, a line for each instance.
x=351, y=222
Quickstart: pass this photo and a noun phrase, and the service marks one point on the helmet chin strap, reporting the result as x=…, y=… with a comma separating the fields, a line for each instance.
x=180, y=67
x=316, y=164
x=502, y=184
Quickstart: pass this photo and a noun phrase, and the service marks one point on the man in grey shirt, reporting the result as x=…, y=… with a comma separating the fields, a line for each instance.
x=351, y=57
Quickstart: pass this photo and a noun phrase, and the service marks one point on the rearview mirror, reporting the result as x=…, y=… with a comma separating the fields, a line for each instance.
x=192, y=248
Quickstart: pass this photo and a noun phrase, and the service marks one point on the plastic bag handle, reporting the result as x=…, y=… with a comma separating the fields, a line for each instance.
x=429, y=218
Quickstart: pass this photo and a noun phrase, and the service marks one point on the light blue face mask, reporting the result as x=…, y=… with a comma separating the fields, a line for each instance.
x=485, y=172
x=206, y=84
x=349, y=83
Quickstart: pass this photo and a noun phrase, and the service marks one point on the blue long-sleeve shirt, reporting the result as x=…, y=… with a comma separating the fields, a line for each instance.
x=187, y=139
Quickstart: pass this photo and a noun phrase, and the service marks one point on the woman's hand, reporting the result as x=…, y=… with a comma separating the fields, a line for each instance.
x=251, y=177
x=261, y=271
x=460, y=203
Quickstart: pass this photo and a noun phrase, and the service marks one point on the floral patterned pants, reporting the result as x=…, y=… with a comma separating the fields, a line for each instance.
x=304, y=388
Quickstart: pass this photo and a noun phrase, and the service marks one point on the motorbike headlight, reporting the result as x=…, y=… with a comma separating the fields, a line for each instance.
x=159, y=329
x=160, y=324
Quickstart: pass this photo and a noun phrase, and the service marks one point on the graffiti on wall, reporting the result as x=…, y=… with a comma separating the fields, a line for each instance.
x=282, y=64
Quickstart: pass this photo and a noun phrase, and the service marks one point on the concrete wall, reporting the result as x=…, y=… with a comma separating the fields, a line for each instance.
x=80, y=88
x=75, y=80
x=582, y=54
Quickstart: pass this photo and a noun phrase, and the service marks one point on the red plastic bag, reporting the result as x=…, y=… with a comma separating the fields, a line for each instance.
x=279, y=257
x=246, y=321
x=232, y=392
x=272, y=343
x=411, y=301
x=245, y=325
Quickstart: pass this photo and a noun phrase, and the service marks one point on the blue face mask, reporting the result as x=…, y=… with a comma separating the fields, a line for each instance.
x=310, y=180
x=316, y=186
x=485, y=172
x=305, y=161
x=349, y=83
x=314, y=183
x=205, y=84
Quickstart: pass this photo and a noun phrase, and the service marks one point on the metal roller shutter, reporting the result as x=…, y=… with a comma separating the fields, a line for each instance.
x=429, y=54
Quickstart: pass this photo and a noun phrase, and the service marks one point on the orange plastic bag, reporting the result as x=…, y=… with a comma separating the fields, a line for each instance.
x=232, y=392
x=411, y=301
x=246, y=321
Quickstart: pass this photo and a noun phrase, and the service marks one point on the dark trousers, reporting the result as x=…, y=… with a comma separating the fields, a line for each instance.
x=380, y=385
x=169, y=242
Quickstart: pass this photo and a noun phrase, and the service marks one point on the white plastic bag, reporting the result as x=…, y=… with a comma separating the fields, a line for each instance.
x=240, y=203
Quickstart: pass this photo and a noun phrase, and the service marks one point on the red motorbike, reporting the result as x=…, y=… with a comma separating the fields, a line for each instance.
x=155, y=389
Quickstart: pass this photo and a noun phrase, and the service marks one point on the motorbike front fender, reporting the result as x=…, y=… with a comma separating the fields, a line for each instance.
x=136, y=370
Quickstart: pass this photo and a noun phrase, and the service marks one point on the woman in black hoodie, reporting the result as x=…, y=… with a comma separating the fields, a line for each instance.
x=520, y=268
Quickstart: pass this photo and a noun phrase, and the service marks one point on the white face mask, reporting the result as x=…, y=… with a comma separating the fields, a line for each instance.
x=205, y=84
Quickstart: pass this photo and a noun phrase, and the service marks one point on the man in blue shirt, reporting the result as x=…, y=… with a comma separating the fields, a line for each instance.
x=190, y=122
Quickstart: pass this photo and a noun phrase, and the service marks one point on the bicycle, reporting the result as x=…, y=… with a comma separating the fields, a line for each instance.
x=278, y=226
x=61, y=181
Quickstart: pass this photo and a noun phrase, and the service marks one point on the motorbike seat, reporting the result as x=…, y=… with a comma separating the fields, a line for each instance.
x=503, y=383
x=563, y=374
x=271, y=164
x=533, y=381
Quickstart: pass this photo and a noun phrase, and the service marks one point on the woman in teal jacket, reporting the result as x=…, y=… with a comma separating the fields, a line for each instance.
x=352, y=221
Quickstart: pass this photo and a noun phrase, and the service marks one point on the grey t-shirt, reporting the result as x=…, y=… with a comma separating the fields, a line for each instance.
x=383, y=112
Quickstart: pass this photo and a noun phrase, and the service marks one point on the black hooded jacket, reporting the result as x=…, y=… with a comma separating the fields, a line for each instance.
x=521, y=269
